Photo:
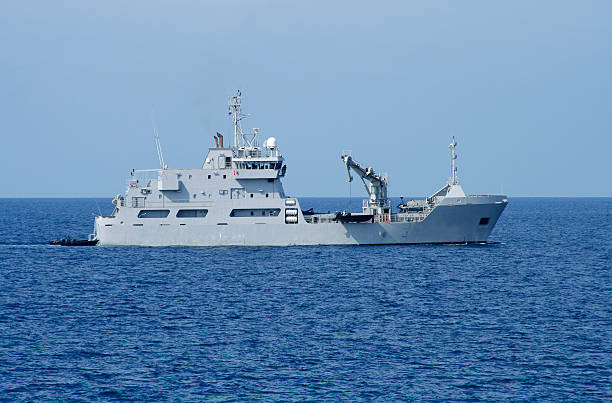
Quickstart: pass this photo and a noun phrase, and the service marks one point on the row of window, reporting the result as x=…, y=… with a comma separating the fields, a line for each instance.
x=201, y=213
x=258, y=165
x=186, y=213
x=243, y=212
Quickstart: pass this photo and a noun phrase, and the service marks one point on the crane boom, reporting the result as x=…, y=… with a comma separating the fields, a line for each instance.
x=377, y=184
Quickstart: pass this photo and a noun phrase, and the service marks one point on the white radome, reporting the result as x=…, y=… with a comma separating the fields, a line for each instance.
x=270, y=143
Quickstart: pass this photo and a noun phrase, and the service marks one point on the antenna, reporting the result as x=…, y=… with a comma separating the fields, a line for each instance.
x=453, y=178
x=160, y=153
x=235, y=111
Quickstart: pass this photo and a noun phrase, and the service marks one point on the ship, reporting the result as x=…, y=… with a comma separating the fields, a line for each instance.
x=236, y=198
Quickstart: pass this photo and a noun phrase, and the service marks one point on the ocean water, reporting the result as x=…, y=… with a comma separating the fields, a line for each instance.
x=526, y=318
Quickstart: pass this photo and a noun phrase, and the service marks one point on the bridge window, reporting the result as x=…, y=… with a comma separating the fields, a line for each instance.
x=484, y=221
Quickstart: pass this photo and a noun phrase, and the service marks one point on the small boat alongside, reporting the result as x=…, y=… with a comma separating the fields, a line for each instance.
x=345, y=217
x=73, y=242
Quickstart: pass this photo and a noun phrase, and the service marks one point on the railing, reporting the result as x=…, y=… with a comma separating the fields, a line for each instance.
x=139, y=202
x=397, y=218
x=365, y=203
x=379, y=218
x=321, y=219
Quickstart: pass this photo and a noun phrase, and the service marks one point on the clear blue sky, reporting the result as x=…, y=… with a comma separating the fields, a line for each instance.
x=525, y=86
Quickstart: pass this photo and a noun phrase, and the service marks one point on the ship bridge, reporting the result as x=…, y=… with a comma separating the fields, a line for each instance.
x=247, y=161
x=246, y=157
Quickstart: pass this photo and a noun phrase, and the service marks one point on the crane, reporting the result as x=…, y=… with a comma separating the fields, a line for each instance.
x=376, y=186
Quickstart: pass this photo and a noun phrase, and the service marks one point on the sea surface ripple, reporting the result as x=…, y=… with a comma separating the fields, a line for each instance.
x=528, y=318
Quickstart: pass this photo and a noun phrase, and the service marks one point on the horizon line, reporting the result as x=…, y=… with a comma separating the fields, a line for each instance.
x=318, y=197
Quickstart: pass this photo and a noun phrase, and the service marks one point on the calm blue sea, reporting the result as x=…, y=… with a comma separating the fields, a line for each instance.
x=528, y=318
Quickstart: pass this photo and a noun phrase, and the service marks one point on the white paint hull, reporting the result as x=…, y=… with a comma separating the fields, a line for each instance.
x=457, y=223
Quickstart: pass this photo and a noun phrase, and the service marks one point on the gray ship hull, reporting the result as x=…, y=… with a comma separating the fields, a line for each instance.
x=456, y=223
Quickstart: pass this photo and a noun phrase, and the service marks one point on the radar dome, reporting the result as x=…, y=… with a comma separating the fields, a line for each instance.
x=270, y=143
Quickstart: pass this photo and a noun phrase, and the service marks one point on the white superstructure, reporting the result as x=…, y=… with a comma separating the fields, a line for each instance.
x=237, y=198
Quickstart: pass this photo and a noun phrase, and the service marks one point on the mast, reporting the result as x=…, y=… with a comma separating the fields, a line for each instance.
x=453, y=178
x=235, y=110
